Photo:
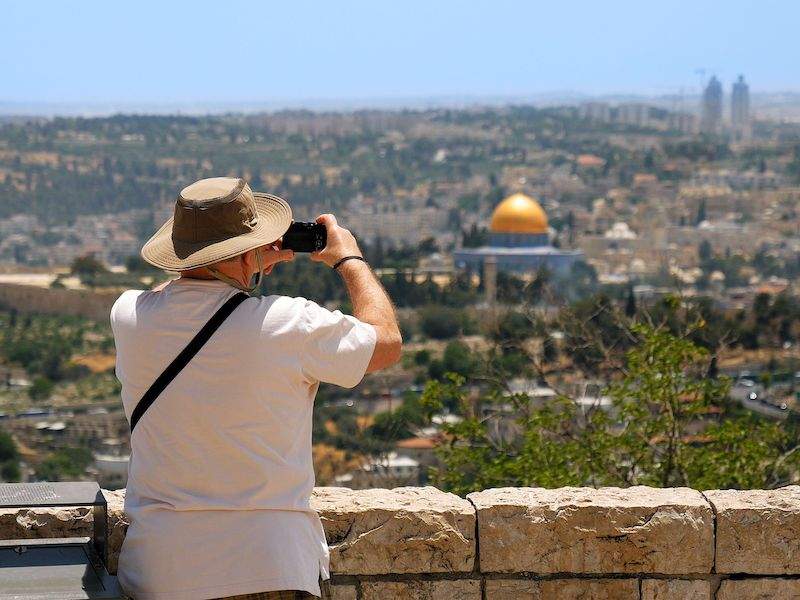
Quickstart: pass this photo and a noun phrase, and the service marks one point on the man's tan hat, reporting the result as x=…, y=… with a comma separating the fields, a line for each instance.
x=216, y=219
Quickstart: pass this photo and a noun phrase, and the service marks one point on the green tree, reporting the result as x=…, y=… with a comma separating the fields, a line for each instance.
x=704, y=251
x=66, y=463
x=643, y=435
x=441, y=322
x=399, y=424
x=663, y=391
x=10, y=471
x=136, y=264
x=630, y=303
x=9, y=458
x=422, y=357
x=87, y=265
x=701, y=212
x=457, y=358
x=41, y=388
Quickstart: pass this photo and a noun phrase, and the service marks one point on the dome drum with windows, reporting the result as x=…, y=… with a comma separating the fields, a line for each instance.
x=519, y=240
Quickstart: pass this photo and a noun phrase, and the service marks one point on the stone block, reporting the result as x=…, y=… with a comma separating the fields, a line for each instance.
x=675, y=589
x=758, y=531
x=404, y=530
x=117, y=526
x=587, y=530
x=562, y=589
x=759, y=589
x=511, y=589
x=463, y=589
x=25, y=523
x=342, y=592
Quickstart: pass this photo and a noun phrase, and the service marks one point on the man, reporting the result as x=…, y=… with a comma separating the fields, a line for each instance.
x=221, y=472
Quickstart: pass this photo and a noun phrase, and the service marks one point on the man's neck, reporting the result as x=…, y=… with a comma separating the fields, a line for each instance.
x=199, y=273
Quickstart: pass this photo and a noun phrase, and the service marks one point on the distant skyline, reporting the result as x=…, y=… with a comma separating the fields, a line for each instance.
x=269, y=54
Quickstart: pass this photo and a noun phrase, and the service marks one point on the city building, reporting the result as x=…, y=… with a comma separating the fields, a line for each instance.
x=396, y=222
x=683, y=122
x=389, y=471
x=519, y=241
x=595, y=111
x=634, y=113
x=740, y=108
x=711, y=120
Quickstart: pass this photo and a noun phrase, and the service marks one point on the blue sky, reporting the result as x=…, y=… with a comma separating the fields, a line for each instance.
x=236, y=51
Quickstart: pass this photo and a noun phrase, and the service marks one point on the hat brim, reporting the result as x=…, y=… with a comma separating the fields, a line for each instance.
x=274, y=218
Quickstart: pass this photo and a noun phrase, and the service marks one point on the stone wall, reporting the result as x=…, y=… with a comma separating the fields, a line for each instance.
x=529, y=543
x=27, y=299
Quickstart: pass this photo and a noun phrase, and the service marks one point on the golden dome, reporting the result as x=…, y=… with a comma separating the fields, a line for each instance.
x=518, y=214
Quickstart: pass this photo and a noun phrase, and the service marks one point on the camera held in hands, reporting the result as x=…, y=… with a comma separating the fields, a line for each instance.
x=305, y=237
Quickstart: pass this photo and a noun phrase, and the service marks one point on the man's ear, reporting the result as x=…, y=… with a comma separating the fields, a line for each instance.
x=249, y=262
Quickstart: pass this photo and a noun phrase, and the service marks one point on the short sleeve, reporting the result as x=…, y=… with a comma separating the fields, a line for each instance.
x=337, y=347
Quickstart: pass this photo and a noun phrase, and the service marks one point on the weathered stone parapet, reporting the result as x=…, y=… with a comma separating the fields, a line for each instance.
x=529, y=543
x=405, y=530
x=759, y=589
x=117, y=526
x=27, y=523
x=758, y=531
x=587, y=530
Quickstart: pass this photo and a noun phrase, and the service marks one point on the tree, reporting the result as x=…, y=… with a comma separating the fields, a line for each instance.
x=457, y=358
x=400, y=423
x=630, y=303
x=534, y=291
x=663, y=391
x=10, y=471
x=595, y=332
x=66, y=463
x=474, y=237
x=440, y=322
x=9, y=458
x=701, y=212
x=649, y=160
x=644, y=436
x=136, y=264
x=41, y=388
x=422, y=357
x=704, y=251
x=87, y=265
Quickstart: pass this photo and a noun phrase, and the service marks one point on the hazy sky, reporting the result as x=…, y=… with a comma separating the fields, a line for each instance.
x=235, y=51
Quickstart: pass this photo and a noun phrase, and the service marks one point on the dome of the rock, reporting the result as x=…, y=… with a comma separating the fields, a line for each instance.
x=518, y=241
x=519, y=214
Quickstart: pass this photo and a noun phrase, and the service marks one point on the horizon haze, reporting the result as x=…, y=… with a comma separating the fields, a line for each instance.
x=68, y=58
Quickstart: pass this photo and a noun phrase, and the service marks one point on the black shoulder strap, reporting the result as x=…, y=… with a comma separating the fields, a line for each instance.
x=187, y=354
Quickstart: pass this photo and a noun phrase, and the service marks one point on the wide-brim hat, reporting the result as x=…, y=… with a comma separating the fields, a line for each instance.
x=216, y=219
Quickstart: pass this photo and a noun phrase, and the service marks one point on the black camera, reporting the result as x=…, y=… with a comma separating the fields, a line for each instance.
x=305, y=237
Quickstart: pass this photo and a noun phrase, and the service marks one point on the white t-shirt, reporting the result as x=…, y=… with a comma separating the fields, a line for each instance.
x=221, y=471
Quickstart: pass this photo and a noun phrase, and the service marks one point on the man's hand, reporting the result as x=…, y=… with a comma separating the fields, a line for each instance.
x=340, y=242
x=272, y=254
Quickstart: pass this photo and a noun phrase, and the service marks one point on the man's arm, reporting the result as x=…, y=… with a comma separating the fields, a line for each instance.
x=370, y=302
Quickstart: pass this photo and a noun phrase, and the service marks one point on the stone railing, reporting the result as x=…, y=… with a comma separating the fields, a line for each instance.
x=517, y=543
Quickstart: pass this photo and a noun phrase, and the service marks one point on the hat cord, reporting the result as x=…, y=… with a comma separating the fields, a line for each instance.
x=231, y=281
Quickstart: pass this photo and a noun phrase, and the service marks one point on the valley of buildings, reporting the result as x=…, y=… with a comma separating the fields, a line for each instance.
x=650, y=200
